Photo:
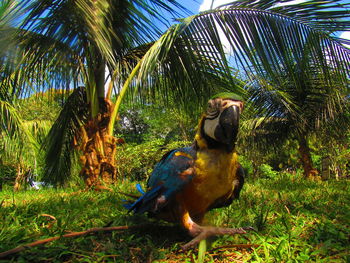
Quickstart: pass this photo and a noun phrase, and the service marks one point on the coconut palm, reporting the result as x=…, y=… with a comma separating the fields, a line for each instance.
x=18, y=145
x=59, y=50
x=299, y=75
x=82, y=45
x=68, y=42
x=296, y=67
x=309, y=112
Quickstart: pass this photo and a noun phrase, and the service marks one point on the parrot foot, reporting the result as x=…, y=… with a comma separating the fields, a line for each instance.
x=200, y=233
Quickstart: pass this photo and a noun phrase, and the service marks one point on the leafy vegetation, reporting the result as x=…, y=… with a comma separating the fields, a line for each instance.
x=139, y=123
x=21, y=154
x=296, y=221
x=53, y=52
x=285, y=59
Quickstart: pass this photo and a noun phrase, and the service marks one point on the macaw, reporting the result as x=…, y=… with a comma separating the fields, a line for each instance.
x=188, y=182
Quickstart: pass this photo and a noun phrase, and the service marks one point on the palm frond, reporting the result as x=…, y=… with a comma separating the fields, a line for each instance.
x=184, y=67
x=328, y=16
x=9, y=12
x=297, y=71
x=265, y=134
x=24, y=149
x=58, y=145
x=266, y=44
x=10, y=122
x=83, y=29
x=16, y=138
x=124, y=66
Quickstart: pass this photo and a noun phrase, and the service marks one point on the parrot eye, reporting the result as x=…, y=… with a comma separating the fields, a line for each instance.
x=211, y=106
x=213, y=110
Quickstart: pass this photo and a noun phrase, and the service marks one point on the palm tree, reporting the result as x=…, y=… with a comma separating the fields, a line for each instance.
x=93, y=46
x=297, y=69
x=16, y=141
x=299, y=76
x=269, y=43
x=314, y=108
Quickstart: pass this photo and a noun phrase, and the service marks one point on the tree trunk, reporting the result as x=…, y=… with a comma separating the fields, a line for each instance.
x=99, y=149
x=305, y=158
x=20, y=180
x=326, y=167
x=23, y=177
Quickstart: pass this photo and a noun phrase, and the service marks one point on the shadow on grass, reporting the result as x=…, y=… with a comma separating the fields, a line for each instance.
x=154, y=241
x=25, y=220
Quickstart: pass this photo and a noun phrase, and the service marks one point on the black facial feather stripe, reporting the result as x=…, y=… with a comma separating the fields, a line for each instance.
x=212, y=117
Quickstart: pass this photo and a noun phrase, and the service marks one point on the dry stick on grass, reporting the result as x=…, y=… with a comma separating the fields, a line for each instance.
x=73, y=234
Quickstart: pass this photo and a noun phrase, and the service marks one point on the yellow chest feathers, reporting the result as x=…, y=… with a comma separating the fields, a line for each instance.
x=215, y=173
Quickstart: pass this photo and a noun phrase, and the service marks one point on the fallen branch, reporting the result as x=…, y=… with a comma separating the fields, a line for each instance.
x=72, y=234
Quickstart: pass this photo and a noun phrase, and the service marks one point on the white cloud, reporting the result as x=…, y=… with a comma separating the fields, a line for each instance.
x=207, y=4
x=293, y=2
x=345, y=35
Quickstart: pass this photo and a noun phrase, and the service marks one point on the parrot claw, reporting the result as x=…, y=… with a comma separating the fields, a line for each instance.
x=202, y=233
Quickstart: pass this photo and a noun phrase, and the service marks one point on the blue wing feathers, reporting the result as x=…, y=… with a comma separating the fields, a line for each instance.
x=165, y=181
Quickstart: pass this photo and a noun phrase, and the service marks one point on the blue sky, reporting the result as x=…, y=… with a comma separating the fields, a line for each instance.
x=192, y=5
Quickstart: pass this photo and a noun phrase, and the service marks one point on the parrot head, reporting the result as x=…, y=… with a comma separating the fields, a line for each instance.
x=219, y=126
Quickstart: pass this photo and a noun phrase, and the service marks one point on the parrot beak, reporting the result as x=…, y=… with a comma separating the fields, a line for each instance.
x=227, y=129
x=221, y=123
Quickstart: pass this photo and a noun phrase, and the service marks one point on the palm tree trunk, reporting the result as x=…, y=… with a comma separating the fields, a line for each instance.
x=305, y=158
x=99, y=144
x=99, y=149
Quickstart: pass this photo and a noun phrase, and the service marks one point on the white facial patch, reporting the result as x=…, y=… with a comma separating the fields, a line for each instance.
x=210, y=126
x=216, y=107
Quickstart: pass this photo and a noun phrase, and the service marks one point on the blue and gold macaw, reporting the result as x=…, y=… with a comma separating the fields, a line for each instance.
x=188, y=182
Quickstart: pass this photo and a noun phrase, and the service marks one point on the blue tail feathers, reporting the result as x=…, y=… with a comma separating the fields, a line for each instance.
x=139, y=188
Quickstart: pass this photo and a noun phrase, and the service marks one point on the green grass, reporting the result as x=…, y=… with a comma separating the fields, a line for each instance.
x=296, y=221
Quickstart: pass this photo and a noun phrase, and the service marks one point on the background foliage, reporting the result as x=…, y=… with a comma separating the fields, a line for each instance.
x=297, y=94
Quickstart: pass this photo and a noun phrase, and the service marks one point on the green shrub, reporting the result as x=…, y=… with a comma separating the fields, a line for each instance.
x=246, y=164
x=7, y=174
x=136, y=162
x=266, y=171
